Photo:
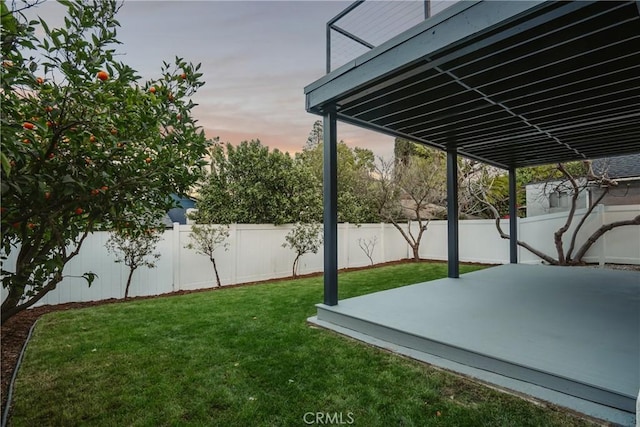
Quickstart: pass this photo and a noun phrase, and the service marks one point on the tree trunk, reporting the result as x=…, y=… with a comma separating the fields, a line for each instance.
x=504, y=235
x=126, y=289
x=295, y=266
x=416, y=252
x=24, y=266
x=557, y=236
x=215, y=270
x=574, y=236
x=599, y=232
x=10, y=306
x=415, y=245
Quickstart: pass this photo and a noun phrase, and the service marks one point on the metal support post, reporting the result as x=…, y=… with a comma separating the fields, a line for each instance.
x=330, y=216
x=452, y=214
x=513, y=217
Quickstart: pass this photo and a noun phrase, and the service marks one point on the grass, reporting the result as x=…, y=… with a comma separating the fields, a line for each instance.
x=244, y=357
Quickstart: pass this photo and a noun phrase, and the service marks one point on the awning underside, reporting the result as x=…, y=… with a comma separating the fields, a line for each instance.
x=559, y=84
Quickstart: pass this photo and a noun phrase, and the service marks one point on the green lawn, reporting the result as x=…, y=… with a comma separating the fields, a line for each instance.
x=244, y=357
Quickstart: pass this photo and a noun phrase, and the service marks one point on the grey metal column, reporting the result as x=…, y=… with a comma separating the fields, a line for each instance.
x=452, y=213
x=513, y=217
x=330, y=196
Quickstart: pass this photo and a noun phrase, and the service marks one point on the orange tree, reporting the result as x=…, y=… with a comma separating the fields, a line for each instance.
x=85, y=144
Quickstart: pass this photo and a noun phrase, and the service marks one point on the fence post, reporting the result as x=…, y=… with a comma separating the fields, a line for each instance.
x=175, y=256
x=382, y=233
x=603, y=239
x=233, y=233
x=345, y=247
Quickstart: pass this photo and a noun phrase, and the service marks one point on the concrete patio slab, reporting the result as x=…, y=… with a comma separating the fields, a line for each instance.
x=573, y=331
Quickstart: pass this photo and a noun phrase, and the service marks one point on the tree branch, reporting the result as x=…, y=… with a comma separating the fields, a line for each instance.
x=504, y=235
x=599, y=232
x=557, y=236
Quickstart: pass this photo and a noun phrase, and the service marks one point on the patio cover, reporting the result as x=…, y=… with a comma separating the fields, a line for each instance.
x=512, y=84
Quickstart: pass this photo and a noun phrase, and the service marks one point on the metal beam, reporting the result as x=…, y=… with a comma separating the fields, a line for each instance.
x=330, y=24
x=352, y=36
x=453, y=258
x=330, y=216
x=513, y=217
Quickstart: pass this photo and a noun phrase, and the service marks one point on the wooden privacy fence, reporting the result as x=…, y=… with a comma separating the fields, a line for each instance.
x=255, y=253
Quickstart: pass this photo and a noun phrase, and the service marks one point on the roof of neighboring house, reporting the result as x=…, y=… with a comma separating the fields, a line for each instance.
x=179, y=214
x=618, y=167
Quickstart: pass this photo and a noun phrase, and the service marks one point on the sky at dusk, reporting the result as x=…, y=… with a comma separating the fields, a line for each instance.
x=257, y=57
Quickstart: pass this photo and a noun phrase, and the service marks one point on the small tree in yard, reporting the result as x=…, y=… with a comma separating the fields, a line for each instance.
x=414, y=187
x=205, y=239
x=303, y=238
x=85, y=142
x=134, y=247
x=367, y=246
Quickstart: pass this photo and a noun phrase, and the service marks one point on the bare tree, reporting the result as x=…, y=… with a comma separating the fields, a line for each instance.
x=413, y=190
x=572, y=185
x=367, y=246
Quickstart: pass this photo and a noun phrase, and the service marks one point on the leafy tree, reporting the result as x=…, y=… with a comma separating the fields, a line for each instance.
x=205, y=239
x=134, y=246
x=250, y=184
x=316, y=136
x=355, y=169
x=303, y=238
x=84, y=142
x=469, y=172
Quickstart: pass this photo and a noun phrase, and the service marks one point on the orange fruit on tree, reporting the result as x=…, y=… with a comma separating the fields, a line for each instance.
x=104, y=188
x=152, y=89
x=103, y=75
x=114, y=131
x=48, y=108
x=78, y=211
x=92, y=138
x=47, y=195
x=183, y=76
x=39, y=80
x=28, y=125
x=148, y=160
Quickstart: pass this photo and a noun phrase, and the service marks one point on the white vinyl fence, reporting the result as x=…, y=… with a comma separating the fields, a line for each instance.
x=255, y=253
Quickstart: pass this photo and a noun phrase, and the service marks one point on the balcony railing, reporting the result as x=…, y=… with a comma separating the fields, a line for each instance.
x=364, y=25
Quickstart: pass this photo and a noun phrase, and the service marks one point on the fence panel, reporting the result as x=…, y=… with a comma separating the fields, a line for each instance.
x=255, y=253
